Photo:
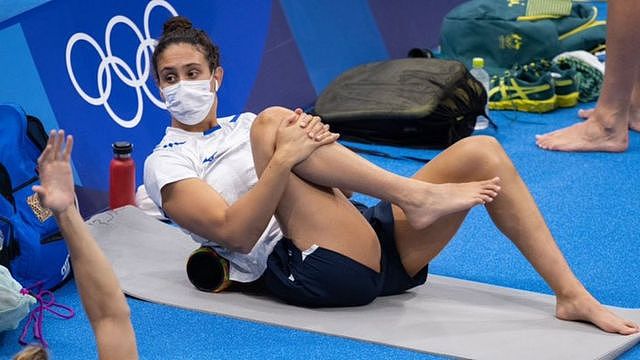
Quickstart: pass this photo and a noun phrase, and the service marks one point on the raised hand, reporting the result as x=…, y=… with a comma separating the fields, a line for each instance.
x=56, y=190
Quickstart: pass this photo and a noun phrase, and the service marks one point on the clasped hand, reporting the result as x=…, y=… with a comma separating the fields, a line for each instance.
x=301, y=134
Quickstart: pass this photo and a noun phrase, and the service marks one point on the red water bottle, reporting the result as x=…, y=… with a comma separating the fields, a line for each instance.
x=122, y=179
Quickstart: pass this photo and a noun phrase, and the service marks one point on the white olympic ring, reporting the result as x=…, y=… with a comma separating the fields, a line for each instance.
x=110, y=62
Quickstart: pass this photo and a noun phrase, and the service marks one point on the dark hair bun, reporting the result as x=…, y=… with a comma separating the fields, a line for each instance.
x=176, y=23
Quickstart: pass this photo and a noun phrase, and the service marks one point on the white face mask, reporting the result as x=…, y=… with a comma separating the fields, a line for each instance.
x=189, y=101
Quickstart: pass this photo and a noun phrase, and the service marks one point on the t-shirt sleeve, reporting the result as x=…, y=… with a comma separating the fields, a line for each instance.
x=162, y=168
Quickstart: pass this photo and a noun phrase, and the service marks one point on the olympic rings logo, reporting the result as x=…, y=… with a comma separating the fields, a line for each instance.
x=137, y=80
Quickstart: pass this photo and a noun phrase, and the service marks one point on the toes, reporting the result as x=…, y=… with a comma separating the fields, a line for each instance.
x=490, y=183
x=628, y=331
x=585, y=113
x=489, y=192
x=632, y=325
x=486, y=199
x=478, y=200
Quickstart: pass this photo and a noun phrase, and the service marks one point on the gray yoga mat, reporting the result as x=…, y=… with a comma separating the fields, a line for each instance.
x=446, y=316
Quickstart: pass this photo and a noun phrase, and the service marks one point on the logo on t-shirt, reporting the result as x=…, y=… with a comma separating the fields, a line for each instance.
x=210, y=158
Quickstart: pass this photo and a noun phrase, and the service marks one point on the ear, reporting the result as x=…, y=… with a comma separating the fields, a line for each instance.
x=218, y=74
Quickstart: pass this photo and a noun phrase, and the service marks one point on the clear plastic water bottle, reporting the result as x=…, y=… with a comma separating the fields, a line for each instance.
x=481, y=75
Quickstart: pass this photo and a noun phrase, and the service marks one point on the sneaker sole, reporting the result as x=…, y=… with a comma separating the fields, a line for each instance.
x=535, y=106
x=567, y=101
x=582, y=57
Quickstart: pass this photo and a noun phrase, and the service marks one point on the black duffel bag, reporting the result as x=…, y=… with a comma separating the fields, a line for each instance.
x=416, y=102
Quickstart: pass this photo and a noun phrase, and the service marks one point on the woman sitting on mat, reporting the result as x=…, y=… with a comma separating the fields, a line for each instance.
x=322, y=251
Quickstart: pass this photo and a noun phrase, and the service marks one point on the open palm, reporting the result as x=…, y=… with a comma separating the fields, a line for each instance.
x=56, y=182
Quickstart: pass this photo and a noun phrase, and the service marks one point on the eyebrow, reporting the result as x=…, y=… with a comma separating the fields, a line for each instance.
x=172, y=68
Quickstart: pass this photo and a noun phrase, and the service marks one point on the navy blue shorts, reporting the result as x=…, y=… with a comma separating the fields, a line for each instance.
x=326, y=278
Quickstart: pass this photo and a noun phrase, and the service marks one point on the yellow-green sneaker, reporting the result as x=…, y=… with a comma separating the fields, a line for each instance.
x=589, y=70
x=523, y=91
x=566, y=82
x=564, y=76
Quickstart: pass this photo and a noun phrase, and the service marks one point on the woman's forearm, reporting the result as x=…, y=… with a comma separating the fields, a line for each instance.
x=99, y=289
x=248, y=217
x=197, y=207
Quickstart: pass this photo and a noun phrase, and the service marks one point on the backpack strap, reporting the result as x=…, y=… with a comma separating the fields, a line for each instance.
x=8, y=247
x=36, y=132
x=6, y=190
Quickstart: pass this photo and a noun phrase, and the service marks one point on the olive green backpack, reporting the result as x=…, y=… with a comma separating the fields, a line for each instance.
x=510, y=32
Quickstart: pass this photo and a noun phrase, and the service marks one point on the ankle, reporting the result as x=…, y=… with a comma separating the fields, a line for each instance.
x=408, y=196
x=573, y=295
x=611, y=121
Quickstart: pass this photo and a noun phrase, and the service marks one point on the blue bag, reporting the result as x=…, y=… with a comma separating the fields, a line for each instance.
x=31, y=245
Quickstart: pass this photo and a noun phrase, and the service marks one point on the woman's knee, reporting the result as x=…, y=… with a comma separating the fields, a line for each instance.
x=270, y=117
x=483, y=152
x=265, y=125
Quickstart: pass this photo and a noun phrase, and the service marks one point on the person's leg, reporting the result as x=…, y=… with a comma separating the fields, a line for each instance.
x=516, y=214
x=467, y=160
x=606, y=129
x=310, y=214
x=335, y=166
x=634, y=107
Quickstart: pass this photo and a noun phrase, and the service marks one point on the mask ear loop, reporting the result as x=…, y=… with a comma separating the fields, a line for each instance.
x=215, y=85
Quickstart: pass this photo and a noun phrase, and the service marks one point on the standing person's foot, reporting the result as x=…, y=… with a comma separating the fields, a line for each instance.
x=634, y=117
x=591, y=135
x=585, y=113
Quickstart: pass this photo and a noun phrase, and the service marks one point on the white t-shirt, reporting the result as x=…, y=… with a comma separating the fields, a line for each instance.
x=222, y=158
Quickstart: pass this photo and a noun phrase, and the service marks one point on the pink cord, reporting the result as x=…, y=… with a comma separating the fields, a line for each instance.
x=46, y=301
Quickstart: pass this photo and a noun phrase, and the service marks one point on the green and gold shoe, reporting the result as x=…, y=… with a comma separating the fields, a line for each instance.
x=523, y=91
x=566, y=79
x=590, y=72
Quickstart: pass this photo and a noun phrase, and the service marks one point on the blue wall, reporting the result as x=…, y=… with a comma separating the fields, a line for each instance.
x=84, y=65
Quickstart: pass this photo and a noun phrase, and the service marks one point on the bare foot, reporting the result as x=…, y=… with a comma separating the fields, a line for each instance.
x=433, y=201
x=585, y=113
x=586, y=308
x=591, y=135
x=634, y=117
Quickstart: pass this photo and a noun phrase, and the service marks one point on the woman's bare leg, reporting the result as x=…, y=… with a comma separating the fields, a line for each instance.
x=337, y=167
x=516, y=214
x=311, y=215
x=606, y=129
x=471, y=159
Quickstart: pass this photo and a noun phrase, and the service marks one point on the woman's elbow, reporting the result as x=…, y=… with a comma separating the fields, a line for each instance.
x=239, y=244
x=236, y=246
x=219, y=230
x=243, y=249
x=234, y=242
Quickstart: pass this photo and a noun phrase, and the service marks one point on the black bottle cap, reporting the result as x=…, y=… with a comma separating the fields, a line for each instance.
x=122, y=147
